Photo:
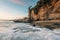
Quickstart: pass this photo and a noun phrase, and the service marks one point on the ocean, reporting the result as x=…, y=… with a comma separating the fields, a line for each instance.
x=10, y=30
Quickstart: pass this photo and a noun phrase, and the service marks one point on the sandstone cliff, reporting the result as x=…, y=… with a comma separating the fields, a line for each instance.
x=45, y=10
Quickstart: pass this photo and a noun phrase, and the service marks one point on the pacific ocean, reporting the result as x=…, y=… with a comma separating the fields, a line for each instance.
x=10, y=30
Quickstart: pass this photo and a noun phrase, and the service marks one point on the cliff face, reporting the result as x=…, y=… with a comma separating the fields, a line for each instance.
x=46, y=10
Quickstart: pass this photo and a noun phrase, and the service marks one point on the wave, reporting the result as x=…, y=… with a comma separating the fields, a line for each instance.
x=24, y=31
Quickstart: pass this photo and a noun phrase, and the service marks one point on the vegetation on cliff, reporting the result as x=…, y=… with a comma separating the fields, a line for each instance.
x=42, y=3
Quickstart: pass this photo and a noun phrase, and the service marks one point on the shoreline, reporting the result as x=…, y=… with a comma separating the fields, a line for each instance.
x=43, y=24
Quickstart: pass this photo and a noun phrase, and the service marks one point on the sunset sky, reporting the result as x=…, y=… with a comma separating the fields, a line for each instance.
x=13, y=9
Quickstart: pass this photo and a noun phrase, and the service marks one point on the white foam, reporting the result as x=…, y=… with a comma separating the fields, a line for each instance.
x=21, y=31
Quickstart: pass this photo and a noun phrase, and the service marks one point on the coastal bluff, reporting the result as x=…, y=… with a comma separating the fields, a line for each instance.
x=45, y=10
x=45, y=13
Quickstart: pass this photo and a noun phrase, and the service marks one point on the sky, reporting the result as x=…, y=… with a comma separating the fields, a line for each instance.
x=15, y=9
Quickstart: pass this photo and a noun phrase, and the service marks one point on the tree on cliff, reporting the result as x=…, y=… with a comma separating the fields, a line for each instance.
x=41, y=3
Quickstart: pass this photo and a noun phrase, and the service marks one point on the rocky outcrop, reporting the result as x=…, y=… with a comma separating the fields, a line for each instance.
x=45, y=10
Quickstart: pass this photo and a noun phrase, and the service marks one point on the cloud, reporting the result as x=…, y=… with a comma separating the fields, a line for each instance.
x=19, y=2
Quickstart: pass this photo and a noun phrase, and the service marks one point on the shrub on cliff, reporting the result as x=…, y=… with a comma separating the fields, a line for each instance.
x=41, y=3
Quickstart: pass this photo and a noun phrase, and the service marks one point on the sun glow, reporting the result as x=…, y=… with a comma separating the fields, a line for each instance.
x=9, y=13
